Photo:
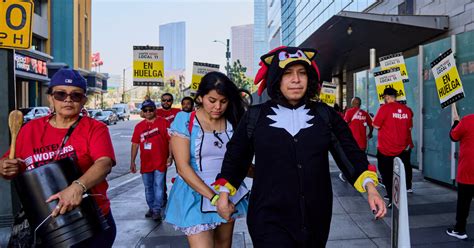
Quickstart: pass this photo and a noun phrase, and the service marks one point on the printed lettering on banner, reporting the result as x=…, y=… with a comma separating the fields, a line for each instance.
x=395, y=61
x=15, y=24
x=328, y=94
x=148, y=67
x=390, y=78
x=448, y=82
x=199, y=70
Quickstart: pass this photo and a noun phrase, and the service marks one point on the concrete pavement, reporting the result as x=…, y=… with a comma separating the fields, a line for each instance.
x=431, y=208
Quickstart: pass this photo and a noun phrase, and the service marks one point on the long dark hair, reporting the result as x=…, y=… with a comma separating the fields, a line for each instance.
x=277, y=96
x=224, y=86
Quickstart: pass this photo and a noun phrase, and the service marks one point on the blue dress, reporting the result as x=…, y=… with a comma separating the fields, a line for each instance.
x=188, y=210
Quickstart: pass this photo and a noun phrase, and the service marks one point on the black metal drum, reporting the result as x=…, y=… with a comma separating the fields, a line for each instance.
x=35, y=186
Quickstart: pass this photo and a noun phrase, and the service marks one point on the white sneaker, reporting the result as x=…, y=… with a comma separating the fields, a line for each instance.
x=341, y=177
x=454, y=233
x=410, y=191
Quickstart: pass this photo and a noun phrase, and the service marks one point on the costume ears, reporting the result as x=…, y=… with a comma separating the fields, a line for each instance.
x=268, y=58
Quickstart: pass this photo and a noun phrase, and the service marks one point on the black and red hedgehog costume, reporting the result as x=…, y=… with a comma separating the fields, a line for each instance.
x=291, y=199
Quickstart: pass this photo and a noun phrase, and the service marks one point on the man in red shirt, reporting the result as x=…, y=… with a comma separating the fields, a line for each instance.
x=394, y=122
x=166, y=111
x=358, y=121
x=463, y=131
x=151, y=136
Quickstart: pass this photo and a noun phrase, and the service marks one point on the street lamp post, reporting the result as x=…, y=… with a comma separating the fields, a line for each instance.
x=123, y=83
x=227, y=54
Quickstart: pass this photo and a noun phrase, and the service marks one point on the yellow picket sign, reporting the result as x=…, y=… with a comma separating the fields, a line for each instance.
x=448, y=82
x=390, y=79
x=199, y=70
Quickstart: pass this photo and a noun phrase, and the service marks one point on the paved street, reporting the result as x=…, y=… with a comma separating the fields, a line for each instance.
x=121, y=134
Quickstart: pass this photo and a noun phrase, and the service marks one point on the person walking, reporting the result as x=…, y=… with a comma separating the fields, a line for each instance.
x=358, y=121
x=291, y=200
x=150, y=136
x=199, y=140
x=462, y=131
x=394, y=122
x=167, y=111
x=187, y=104
x=66, y=134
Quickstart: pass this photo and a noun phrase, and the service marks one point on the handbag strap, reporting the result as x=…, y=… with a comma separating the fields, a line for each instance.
x=66, y=137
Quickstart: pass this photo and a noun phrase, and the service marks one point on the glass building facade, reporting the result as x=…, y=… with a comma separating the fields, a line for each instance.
x=173, y=39
x=260, y=32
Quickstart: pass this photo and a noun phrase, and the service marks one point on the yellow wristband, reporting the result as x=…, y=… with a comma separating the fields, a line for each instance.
x=214, y=199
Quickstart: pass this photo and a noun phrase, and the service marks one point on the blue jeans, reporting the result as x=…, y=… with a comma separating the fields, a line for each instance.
x=154, y=185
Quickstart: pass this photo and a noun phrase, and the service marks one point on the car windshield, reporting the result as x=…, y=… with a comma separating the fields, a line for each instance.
x=26, y=111
x=119, y=110
x=107, y=113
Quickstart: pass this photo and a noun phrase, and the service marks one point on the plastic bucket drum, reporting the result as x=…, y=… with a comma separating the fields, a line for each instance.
x=35, y=186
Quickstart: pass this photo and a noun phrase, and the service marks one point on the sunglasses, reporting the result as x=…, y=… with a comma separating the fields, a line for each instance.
x=148, y=110
x=166, y=100
x=62, y=96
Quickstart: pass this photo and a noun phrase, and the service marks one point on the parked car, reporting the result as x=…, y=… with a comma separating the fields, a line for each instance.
x=123, y=111
x=107, y=117
x=34, y=112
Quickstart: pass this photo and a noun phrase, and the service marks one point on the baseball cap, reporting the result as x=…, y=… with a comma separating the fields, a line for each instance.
x=148, y=103
x=68, y=77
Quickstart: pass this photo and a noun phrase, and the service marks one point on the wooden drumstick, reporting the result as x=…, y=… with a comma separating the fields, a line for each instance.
x=15, y=120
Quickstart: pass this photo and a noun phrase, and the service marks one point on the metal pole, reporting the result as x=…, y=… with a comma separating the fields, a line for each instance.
x=123, y=86
x=227, y=56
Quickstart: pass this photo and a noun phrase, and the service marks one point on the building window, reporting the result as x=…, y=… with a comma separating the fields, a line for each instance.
x=37, y=7
x=407, y=7
x=37, y=44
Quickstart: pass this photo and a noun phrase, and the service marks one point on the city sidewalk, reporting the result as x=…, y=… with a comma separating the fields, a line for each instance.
x=431, y=208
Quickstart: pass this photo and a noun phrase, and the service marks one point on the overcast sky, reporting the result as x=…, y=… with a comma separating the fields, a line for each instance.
x=118, y=25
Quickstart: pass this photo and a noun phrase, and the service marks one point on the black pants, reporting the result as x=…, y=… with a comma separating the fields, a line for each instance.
x=385, y=166
x=465, y=194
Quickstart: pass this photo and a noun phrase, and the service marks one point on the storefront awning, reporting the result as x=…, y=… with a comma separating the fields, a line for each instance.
x=343, y=42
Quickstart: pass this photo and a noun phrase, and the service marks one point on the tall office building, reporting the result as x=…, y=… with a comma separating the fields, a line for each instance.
x=71, y=32
x=242, y=47
x=274, y=23
x=173, y=39
x=260, y=32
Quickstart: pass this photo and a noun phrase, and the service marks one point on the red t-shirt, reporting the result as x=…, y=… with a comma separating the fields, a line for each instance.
x=156, y=134
x=38, y=142
x=395, y=121
x=464, y=132
x=169, y=115
x=358, y=125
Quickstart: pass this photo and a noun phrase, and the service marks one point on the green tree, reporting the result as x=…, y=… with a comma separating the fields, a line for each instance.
x=237, y=75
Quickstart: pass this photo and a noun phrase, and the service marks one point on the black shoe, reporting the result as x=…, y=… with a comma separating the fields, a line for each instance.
x=148, y=214
x=454, y=233
x=156, y=217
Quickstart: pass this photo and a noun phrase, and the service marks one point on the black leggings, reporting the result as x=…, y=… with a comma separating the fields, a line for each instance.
x=385, y=166
x=465, y=194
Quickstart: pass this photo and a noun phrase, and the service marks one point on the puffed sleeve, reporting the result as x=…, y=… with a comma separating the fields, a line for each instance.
x=180, y=125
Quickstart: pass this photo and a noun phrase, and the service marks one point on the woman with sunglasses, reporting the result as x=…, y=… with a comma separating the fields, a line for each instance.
x=41, y=141
x=198, y=142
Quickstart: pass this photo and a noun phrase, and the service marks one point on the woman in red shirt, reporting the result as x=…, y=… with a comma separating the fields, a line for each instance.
x=42, y=141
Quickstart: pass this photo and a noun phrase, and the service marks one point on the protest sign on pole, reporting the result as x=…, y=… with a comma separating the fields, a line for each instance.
x=328, y=94
x=148, y=68
x=394, y=61
x=199, y=70
x=390, y=78
x=400, y=221
x=448, y=82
